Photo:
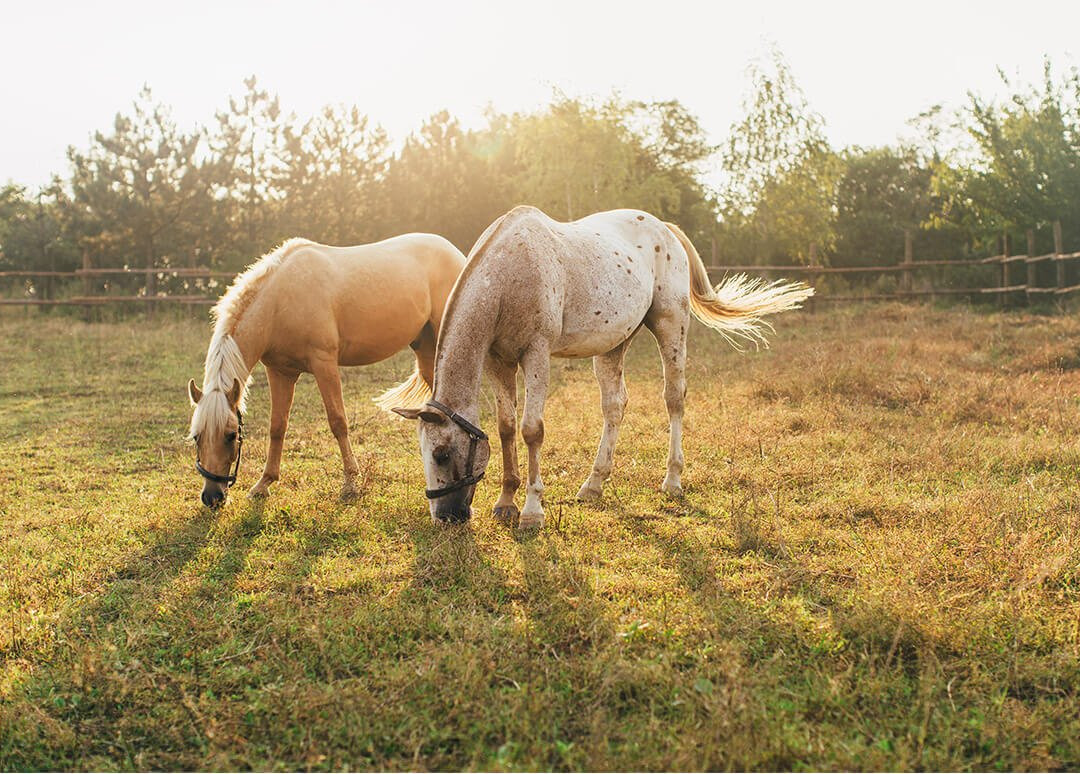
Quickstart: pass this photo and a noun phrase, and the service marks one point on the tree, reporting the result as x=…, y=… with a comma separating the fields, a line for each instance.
x=779, y=199
x=445, y=180
x=334, y=167
x=247, y=148
x=140, y=190
x=32, y=234
x=578, y=157
x=1024, y=167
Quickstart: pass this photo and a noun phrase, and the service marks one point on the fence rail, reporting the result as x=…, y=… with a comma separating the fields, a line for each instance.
x=1005, y=287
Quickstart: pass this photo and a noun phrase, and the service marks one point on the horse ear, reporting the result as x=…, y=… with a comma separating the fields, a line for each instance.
x=427, y=414
x=434, y=416
x=234, y=393
x=193, y=392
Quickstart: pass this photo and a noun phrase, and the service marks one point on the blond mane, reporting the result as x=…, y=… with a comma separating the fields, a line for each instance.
x=224, y=361
x=230, y=307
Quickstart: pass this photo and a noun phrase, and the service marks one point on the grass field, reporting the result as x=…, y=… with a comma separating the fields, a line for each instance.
x=876, y=565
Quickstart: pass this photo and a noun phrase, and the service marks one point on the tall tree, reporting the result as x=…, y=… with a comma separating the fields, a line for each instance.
x=141, y=189
x=779, y=199
x=447, y=180
x=1024, y=168
x=247, y=150
x=334, y=167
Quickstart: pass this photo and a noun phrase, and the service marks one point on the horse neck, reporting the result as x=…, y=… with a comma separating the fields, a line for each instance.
x=463, y=347
x=251, y=335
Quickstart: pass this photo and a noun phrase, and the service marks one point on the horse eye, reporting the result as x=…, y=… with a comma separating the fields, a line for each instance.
x=441, y=456
x=230, y=437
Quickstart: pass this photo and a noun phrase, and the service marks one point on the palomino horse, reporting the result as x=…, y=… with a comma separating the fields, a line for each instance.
x=535, y=288
x=309, y=308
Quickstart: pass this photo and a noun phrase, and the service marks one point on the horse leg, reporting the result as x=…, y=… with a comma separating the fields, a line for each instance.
x=535, y=364
x=328, y=377
x=282, y=386
x=609, y=373
x=424, y=349
x=670, y=333
x=504, y=380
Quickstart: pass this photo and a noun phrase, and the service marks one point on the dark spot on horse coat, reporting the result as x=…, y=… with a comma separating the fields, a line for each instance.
x=657, y=248
x=639, y=247
x=641, y=217
x=597, y=312
x=629, y=272
x=669, y=256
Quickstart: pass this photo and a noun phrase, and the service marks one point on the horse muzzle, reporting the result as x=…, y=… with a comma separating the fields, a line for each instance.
x=456, y=516
x=213, y=497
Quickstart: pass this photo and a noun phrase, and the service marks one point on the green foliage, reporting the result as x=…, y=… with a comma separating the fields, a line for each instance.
x=334, y=167
x=149, y=194
x=31, y=230
x=883, y=192
x=447, y=181
x=779, y=200
x=248, y=150
x=1025, y=168
x=141, y=191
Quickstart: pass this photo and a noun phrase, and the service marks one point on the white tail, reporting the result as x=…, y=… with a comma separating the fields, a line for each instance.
x=734, y=308
x=414, y=392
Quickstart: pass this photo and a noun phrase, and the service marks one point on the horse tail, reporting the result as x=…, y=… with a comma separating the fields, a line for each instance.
x=414, y=392
x=734, y=308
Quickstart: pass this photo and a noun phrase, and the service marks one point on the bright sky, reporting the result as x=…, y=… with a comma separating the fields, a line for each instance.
x=867, y=67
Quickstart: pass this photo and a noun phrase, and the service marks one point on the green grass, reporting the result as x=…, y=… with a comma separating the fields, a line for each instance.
x=877, y=565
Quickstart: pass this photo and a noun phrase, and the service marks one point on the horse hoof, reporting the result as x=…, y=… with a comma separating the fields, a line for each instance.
x=348, y=495
x=588, y=494
x=531, y=520
x=506, y=514
x=671, y=490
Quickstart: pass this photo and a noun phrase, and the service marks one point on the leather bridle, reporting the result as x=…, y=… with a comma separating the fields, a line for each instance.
x=226, y=480
x=475, y=436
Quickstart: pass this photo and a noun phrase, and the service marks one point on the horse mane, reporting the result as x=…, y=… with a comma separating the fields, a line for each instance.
x=230, y=307
x=224, y=361
x=224, y=364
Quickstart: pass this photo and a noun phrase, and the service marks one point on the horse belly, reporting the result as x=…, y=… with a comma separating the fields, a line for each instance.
x=599, y=320
x=373, y=327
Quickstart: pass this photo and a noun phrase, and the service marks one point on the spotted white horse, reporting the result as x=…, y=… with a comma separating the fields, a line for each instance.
x=535, y=288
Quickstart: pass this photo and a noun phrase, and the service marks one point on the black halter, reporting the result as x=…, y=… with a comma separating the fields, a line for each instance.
x=475, y=436
x=226, y=480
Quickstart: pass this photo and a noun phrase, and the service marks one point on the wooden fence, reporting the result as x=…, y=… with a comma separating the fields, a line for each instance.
x=95, y=290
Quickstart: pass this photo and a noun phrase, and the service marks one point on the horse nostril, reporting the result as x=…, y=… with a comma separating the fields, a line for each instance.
x=213, y=499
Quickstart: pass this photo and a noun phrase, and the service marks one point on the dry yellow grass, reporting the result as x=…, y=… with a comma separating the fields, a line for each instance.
x=877, y=565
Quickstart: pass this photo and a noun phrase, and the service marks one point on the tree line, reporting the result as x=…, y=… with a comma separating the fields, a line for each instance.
x=149, y=194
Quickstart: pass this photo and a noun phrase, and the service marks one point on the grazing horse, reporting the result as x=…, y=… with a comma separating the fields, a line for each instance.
x=310, y=308
x=535, y=288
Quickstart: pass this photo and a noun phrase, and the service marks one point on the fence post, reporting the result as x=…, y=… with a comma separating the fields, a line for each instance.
x=1032, y=280
x=815, y=278
x=1003, y=301
x=909, y=253
x=87, y=282
x=1058, y=250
